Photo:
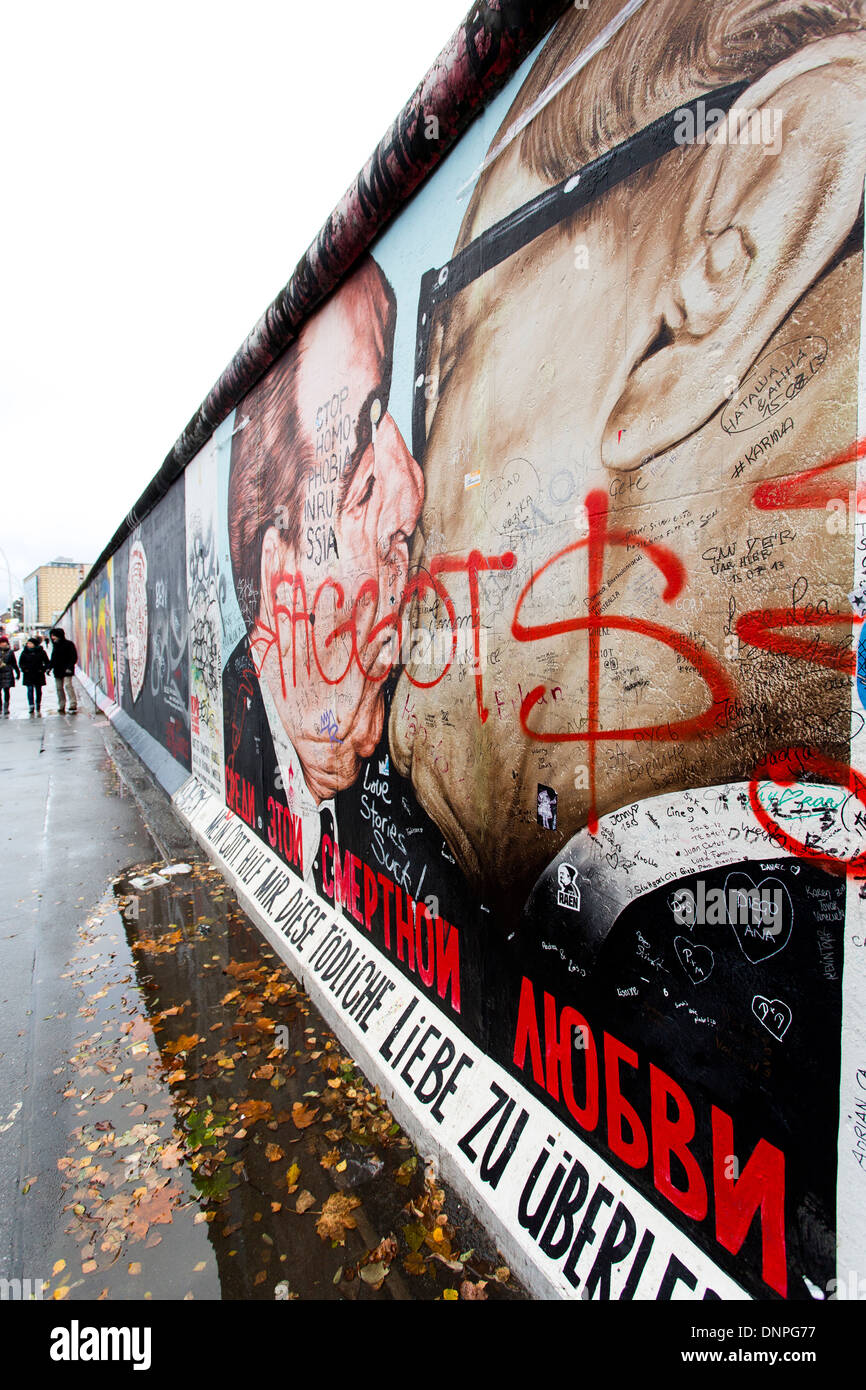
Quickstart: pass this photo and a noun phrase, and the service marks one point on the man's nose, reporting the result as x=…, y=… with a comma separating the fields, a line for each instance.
x=401, y=478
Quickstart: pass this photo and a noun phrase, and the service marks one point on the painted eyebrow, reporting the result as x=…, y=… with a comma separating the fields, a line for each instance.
x=363, y=435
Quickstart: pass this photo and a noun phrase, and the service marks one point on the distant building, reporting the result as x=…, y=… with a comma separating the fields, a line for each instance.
x=48, y=589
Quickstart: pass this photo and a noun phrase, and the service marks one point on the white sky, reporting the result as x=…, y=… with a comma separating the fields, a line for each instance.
x=164, y=169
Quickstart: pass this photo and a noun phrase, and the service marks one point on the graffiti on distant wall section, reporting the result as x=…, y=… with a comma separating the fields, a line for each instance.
x=152, y=625
x=547, y=581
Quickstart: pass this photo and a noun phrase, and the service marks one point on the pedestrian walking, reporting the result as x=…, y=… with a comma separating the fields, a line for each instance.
x=33, y=665
x=64, y=659
x=9, y=671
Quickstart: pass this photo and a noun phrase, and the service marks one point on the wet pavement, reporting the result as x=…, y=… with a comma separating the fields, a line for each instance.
x=176, y=1120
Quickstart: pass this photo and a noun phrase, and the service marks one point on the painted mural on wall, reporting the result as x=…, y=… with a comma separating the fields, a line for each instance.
x=98, y=647
x=76, y=619
x=152, y=624
x=538, y=575
x=203, y=583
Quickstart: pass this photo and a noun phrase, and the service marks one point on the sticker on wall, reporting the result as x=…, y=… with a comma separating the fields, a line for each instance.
x=546, y=807
x=568, y=893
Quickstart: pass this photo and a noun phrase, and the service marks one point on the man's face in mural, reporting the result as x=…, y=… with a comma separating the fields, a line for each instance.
x=600, y=380
x=347, y=567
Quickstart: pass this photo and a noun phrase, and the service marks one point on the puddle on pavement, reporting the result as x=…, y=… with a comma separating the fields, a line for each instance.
x=223, y=1144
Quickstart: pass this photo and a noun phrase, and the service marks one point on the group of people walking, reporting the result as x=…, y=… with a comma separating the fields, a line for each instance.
x=31, y=666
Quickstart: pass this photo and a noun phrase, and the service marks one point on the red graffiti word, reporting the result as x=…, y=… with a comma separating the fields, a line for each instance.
x=761, y=629
x=427, y=947
x=601, y=536
x=785, y=769
x=240, y=796
x=809, y=489
x=298, y=611
x=285, y=833
x=664, y=1137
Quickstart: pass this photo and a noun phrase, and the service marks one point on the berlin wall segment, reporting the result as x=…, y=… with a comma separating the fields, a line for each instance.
x=506, y=642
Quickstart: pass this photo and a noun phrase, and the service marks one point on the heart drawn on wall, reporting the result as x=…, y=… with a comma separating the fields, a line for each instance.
x=697, y=961
x=761, y=915
x=773, y=1013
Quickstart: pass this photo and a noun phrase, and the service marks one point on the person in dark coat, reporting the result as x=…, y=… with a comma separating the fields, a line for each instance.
x=9, y=671
x=64, y=659
x=34, y=663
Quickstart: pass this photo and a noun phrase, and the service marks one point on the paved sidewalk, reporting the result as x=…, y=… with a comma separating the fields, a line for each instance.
x=159, y=1138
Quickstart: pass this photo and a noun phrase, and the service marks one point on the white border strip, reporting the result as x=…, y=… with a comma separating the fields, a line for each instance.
x=312, y=940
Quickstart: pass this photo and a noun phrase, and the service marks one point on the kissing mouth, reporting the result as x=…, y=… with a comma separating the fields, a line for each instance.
x=385, y=651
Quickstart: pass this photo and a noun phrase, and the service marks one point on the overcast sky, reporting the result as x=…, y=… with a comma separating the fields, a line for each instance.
x=164, y=168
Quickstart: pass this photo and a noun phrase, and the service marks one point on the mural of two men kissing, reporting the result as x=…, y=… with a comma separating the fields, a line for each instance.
x=604, y=577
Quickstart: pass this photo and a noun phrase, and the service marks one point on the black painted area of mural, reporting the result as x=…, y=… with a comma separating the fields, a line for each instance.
x=756, y=1034
x=396, y=838
x=739, y=1019
x=250, y=761
x=160, y=702
x=749, y=1026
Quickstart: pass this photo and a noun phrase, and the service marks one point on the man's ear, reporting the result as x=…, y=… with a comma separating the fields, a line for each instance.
x=278, y=559
x=776, y=194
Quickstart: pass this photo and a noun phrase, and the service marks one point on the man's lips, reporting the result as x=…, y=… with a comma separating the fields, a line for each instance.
x=384, y=650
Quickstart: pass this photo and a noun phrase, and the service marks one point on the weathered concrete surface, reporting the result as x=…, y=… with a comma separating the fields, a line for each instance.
x=64, y=838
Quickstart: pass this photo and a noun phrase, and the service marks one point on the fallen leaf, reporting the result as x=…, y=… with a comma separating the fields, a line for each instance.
x=185, y=1043
x=337, y=1218
x=374, y=1274
x=305, y=1201
x=386, y=1251
x=171, y=1155
x=404, y=1173
x=303, y=1115
x=58, y=1266
x=155, y=1210
x=470, y=1290
x=252, y=1110
x=273, y=1153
